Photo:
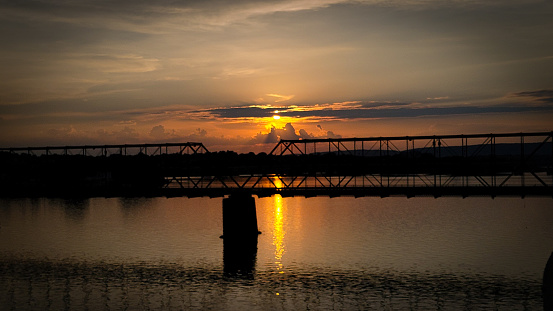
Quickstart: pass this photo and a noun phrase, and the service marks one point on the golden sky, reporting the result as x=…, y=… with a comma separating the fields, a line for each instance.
x=97, y=71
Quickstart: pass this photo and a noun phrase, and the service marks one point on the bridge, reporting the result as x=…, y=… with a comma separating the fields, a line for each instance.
x=508, y=164
x=107, y=150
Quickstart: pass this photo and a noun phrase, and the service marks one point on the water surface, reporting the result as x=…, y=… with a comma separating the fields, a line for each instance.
x=314, y=253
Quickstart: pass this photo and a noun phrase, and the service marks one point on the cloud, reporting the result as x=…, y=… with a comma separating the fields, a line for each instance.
x=158, y=132
x=72, y=135
x=66, y=132
x=237, y=112
x=152, y=121
x=289, y=132
x=126, y=134
x=330, y=134
x=275, y=134
x=327, y=134
x=198, y=134
x=356, y=110
x=152, y=17
x=545, y=96
x=281, y=98
x=130, y=63
x=304, y=135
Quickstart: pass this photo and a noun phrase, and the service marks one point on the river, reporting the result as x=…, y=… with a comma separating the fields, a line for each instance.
x=315, y=253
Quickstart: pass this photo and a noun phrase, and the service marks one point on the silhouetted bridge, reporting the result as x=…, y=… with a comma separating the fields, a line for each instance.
x=516, y=164
x=107, y=150
x=509, y=164
x=512, y=164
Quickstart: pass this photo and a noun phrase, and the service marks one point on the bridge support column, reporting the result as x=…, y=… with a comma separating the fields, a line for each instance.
x=240, y=235
x=239, y=217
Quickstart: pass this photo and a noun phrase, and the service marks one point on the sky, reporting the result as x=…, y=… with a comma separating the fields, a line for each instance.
x=240, y=75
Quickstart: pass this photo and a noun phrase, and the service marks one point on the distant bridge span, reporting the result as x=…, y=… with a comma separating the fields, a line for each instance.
x=107, y=150
x=385, y=145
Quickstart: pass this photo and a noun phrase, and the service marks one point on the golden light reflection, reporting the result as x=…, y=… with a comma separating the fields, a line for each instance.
x=278, y=184
x=278, y=232
x=276, y=117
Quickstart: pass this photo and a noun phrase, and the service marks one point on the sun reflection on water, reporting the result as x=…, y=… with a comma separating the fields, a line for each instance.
x=278, y=232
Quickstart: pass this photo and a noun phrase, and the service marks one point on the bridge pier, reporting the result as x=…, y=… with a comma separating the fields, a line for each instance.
x=239, y=217
x=240, y=233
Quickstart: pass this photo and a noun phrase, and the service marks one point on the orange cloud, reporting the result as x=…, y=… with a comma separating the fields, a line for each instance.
x=281, y=98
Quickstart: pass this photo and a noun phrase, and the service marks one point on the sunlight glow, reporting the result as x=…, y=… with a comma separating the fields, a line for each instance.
x=278, y=232
x=276, y=117
x=277, y=183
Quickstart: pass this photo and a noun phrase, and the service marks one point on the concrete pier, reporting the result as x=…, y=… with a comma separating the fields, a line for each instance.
x=239, y=217
x=240, y=233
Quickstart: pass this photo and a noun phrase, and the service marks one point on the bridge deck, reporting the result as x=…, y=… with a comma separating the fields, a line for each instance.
x=409, y=192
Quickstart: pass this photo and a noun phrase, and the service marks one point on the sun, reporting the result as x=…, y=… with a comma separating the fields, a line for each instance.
x=276, y=117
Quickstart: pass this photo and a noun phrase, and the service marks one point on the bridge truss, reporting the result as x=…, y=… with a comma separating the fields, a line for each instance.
x=107, y=150
x=516, y=164
x=485, y=164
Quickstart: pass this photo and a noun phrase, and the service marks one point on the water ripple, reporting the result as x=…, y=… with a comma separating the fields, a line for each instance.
x=27, y=284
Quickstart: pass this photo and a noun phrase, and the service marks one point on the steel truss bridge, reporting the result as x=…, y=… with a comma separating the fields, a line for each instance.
x=510, y=164
x=106, y=150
